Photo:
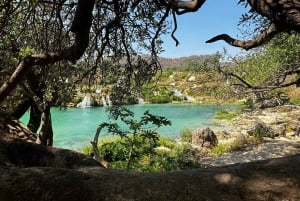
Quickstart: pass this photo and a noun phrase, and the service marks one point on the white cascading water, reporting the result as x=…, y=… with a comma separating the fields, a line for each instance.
x=86, y=102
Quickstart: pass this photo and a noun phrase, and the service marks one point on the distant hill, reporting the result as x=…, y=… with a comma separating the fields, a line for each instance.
x=175, y=63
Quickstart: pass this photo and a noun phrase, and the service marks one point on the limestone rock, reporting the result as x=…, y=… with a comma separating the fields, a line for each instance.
x=204, y=138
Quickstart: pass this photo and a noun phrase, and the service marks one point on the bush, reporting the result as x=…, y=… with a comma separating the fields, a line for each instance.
x=295, y=101
x=186, y=135
x=173, y=158
x=235, y=145
x=220, y=149
x=224, y=114
x=166, y=73
x=166, y=142
x=249, y=104
x=115, y=150
x=260, y=131
x=161, y=99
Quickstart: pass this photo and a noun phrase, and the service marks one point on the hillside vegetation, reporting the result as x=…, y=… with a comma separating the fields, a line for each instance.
x=194, y=79
x=190, y=79
x=186, y=79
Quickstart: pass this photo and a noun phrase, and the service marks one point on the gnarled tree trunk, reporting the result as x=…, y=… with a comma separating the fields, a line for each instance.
x=276, y=179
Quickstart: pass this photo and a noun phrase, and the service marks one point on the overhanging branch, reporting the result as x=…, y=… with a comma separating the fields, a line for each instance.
x=263, y=38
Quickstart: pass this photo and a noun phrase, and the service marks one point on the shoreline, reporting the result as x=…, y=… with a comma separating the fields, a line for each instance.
x=284, y=118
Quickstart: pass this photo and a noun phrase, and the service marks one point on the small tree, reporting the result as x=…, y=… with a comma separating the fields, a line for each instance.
x=137, y=133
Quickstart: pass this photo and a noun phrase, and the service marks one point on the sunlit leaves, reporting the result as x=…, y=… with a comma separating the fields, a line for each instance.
x=26, y=51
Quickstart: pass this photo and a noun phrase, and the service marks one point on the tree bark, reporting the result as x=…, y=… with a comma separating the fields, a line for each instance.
x=20, y=110
x=276, y=179
x=35, y=118
x=46, y=133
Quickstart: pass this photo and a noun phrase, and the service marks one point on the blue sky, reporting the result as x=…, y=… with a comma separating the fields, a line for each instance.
x=193, y=29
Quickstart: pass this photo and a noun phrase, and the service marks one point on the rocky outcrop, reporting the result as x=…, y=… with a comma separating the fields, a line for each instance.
x=280, y=121
x=204, y=138
x=260, y=129
x=271, y=103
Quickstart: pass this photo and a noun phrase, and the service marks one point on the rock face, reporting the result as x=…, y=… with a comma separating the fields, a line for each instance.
x=270, y=103
x=204, y=138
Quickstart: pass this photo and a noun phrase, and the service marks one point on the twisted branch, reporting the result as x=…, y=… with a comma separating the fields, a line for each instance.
x=263, y=38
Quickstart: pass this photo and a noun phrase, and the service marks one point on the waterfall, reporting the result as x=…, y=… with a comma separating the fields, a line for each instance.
x=106, y=101
x=86, y=102
x=177, y=93
x=141, y=101
x=190, y=99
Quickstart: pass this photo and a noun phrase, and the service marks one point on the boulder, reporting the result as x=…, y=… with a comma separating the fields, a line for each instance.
x=204, y=138
x=260, y=129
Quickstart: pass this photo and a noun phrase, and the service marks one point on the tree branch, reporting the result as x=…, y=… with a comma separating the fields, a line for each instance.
x=182, y=7
x=174, y=30
x=97, y=155
x=80, y=26
x=263, y=38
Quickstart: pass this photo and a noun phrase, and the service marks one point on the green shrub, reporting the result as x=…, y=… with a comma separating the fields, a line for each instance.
x=249, y=104
x=114, y=151
x=137, y=148
x=88, y=150
x=220, y=149
x=224, y=114
x=173, y=158
x=295, y=101
x=160, y=99
x=166, y=142
x=186, y=135
x=259, y=132
x=235, y=145
x=166, y=73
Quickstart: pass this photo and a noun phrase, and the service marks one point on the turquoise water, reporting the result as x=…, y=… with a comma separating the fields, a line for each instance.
x=75, y=127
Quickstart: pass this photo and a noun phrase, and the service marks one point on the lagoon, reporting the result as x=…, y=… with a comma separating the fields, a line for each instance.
x=75, y=127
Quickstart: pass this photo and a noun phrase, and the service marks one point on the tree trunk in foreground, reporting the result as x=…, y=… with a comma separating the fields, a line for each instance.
x=69, y=176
